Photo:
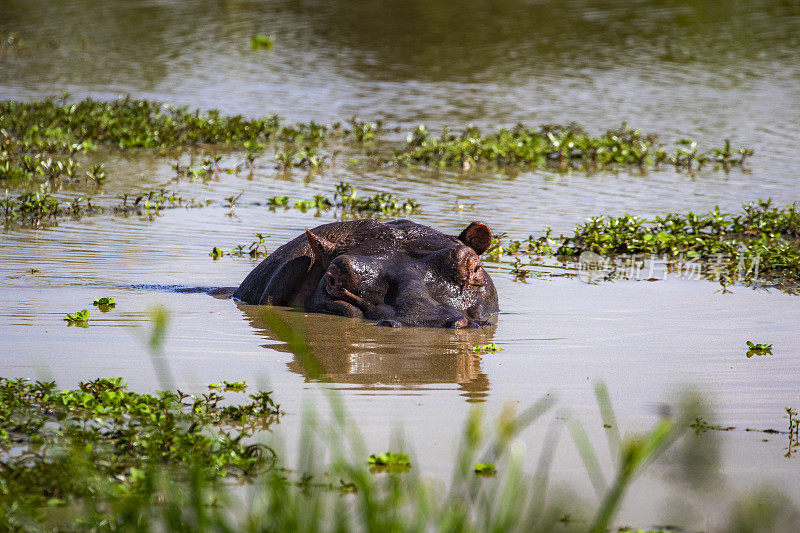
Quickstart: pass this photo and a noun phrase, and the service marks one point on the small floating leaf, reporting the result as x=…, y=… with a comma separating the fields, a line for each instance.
x=262, y=42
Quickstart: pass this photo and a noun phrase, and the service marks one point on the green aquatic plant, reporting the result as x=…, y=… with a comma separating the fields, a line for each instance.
x=754, y=348
x=79, y=318
x=794, y=432
x=489, y=348
x=394, y=462
x=757, y=246
x=43, y=208
x=485, y=469
x=363, y=132
x=228, y=386
x=65, y=450
x=568, y=145
x=319, y=202
x=57, y=126
x=700, y=425
x=380, y=203
x=97, y=174
x=105, y=304
x=349, y=203
x=235, y=386
x=308, y=157
x=759, y=346
x=256, y=249
x=262, y=42
x=278, y=201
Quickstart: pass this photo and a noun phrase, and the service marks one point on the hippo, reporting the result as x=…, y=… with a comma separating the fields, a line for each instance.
x=397, y=273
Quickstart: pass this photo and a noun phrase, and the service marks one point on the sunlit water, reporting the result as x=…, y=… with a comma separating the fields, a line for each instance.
x=711, y=72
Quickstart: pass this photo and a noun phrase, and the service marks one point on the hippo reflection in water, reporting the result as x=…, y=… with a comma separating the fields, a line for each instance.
x=367, y=358
x=399, y=273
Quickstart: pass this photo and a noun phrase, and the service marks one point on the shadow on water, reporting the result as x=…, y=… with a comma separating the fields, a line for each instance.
x=352, y=351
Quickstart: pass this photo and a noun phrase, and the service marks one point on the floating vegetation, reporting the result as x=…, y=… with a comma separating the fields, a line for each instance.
x=41, y=207
x=58, y=126
x=228, y=386
x=262, y=42
x=62, y=449
x=757, y=348
x=794, y=432
x=568, y=145
x=363, y=132
x=209, y=168
x=278, y=201
x=489, y=348
x=381, y=203
x=319, y=202
x=394, y=462
x=306, y=157
x=485, y=469
x=520, y=273
x=255, y=249
x=105, y=304
x=349, y=203
x=80, y=318
x=701, y=426
x=758, y=246
x=42, y=140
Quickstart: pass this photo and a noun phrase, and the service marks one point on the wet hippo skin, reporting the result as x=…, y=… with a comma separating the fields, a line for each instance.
x=397, y=273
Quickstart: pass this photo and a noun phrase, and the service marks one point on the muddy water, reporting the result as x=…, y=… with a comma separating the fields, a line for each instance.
x=709, y=71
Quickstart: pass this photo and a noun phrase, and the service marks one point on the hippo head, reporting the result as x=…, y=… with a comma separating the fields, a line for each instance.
x=399, y=274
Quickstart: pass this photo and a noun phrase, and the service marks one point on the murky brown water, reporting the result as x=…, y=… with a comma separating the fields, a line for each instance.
x=709, y=71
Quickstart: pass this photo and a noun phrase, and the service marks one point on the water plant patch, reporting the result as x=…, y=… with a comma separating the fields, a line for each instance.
x=64, y=448
x=568, y=145
x=760, y=246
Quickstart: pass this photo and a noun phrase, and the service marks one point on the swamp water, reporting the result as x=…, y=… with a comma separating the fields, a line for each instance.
x=710, y=71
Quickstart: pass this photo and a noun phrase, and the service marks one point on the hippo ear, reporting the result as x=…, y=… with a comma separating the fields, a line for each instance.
x=477, y=236
x=323, y=249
